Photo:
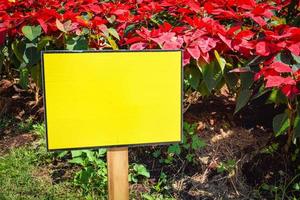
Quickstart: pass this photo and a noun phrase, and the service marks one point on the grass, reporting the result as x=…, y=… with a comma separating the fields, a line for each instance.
x=20, y=177
x=18, y=181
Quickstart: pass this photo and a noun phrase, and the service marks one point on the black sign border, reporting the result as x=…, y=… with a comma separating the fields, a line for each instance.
x=110, y=51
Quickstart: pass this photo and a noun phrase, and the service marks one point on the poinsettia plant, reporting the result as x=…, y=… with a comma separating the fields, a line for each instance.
x=243, y=44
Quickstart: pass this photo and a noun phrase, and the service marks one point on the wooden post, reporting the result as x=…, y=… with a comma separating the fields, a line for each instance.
x=117, y=166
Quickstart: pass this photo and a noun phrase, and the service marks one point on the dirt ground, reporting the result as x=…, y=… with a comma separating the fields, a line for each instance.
x=240, y=137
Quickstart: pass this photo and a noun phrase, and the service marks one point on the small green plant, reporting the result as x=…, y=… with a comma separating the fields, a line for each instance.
x=136, y=172
x=156, y=196
x=26, y=126
x=271, y=149
x=282, y=190
x=191, y=142
x=228, y=166
x=92, y=178
x=159, y=191
x=39, y=129
x=161, y=185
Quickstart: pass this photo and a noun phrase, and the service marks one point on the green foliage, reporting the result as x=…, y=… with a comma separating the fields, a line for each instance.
x=280, y=123
x=76, y=43
x=155, y=196
x=92, y=178
x=159, y=191
x=39, y=129
x=25, y=126
x=32, y=32
x=208, y=78
x=192, y=76
x=282, y=190
x=162, y=184
x=191, y=142
x=24, y=74
x=296, y=128
x=136, y=172
x=212, y=75
x=228, y=166
x=277, y=97
x=242, y=99
x=271, y=149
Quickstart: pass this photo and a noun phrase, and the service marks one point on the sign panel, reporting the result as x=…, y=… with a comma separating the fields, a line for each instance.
x=112, y=98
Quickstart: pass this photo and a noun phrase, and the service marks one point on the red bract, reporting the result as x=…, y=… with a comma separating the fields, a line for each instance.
x=278, y=81
x=273, y=74
x=290, y=90
x=237, y=29
x=280, y=67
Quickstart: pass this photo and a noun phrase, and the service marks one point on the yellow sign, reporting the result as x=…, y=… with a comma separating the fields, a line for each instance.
x=112, y=98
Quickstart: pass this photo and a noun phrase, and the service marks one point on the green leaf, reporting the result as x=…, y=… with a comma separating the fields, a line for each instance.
x=174, y=148
x=247, y=80
x=24, y=80
x=203, y=89
x=35, y=72
x=77, y=160
x=212, y=75
x=102, y=152
x=156, y=153
x=43, y=42
x=128, y=29
x=148, y=197
x=141, y=170
x=190, y=157
x=220, y=168
x=111, y=19
x=18, y=48
x=112, y=43
x=32, y=32
x=280, y=123
x=32, y=55
x=261, y=91
x=254, y=61
x=77, y=43
x=104, y=30
x=231, y=79
x=197, y=142
x=242, y=99
x=90, y=155
x=114, y=33
x=297, y=126
x=220, y=84
x=295, y=67
x=62, y=154
x=296, y=58
x=284, y=57
x=277, y=97
x=85, y=175
x=296, y=186
x=195, y=76
x=76, y=153
x=221, y=61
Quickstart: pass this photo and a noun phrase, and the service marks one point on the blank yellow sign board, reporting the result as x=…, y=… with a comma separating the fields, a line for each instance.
x=112, y=98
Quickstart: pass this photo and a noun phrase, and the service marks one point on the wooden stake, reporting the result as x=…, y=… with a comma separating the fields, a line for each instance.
x=117, y=165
